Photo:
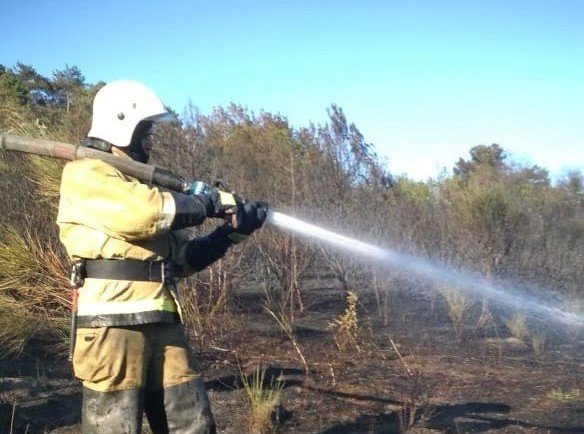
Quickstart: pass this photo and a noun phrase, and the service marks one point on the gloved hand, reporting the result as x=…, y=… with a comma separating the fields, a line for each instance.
x=217, y=203
x=248, y=217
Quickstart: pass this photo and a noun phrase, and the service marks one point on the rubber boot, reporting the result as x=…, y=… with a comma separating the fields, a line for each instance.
x=155, y=411
x=180, y=409
x=118, y=412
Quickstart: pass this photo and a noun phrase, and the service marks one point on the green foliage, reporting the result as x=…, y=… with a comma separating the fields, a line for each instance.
x=57, y=108
x=489, y=209
x=12, y=89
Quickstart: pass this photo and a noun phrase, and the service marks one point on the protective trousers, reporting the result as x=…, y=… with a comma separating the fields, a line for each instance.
x=128, y=371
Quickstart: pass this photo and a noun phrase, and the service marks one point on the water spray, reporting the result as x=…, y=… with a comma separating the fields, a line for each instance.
x=427, y=269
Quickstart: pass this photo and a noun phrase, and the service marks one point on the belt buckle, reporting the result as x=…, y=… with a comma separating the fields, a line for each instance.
x=153, y=275
x=77, y=275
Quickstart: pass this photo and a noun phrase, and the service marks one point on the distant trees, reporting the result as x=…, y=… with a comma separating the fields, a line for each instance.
x=59, y=107
x=481, y=156
x=12, y=89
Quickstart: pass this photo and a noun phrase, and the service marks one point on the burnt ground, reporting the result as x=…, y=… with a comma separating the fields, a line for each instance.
x=412, y=375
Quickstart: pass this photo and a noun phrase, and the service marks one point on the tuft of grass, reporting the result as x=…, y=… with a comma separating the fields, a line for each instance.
x=538, y=342
x=458, y=304
x=517, y=326
x=565, y=396
x=262, y=400
x=346, y=325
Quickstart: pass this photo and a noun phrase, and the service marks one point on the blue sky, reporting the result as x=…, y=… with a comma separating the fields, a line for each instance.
x=423, y=80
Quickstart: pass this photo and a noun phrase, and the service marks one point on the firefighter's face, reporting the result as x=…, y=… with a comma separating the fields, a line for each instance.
x=148, y=140
x=142, y=142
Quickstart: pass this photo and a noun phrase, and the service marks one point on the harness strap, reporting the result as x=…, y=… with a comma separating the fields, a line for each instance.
x=128, y=269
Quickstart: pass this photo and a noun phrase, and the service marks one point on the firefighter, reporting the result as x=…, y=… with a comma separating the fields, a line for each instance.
x=128, y=242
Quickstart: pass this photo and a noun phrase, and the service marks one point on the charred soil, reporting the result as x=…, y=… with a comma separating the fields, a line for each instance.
x=408, y=373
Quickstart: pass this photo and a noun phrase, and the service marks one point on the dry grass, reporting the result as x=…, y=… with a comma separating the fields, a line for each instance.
x=286, y=327
x=13, y=120
x=33, y=276
x=262, y=400
x=565, y=396
x=17, y=327
x=46, y=174
x=43, y=171
x=33, y=291
x=538, y=342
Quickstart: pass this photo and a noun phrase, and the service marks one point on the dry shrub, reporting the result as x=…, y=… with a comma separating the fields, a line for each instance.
x=286, y=326
x=204, y=300
x=458, y=304
x=203, y=311
x=517, y=327
x=346, y=325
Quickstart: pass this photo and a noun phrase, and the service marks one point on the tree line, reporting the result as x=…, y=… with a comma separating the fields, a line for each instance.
x=490, y=215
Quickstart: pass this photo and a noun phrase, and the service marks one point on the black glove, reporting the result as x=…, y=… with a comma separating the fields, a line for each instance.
x=249, y=216
x=189, y=211
x=192, y=210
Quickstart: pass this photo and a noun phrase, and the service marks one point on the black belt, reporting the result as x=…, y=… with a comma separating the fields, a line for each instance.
x=128, y=269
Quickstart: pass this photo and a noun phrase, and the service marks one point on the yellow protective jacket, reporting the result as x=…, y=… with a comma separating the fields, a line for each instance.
x=104, y=214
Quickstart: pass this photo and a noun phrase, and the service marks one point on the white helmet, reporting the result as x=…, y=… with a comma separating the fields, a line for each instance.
x=119, y=106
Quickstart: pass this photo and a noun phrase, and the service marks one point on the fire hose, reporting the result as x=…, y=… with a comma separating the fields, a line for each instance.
x=149, y=174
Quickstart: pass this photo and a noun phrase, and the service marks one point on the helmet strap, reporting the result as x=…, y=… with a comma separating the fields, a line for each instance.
x=100, y=145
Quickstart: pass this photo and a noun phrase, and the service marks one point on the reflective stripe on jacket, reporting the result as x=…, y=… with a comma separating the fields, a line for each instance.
x=104, y=214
